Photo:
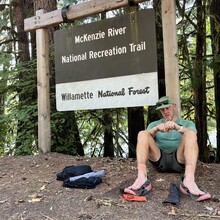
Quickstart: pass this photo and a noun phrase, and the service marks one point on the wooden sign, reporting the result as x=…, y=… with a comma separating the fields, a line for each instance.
x=107, y=64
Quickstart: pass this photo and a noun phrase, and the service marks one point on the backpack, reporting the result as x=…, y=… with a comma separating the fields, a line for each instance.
x=71, y=171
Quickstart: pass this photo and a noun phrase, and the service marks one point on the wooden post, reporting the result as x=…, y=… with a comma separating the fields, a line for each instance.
x=44, y=131
x=171, y=51
x=77, y=11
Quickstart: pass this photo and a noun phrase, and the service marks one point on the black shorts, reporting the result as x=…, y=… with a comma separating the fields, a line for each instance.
x=168, y=163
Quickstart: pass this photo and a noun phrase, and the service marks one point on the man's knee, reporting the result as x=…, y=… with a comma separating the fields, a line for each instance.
x=190, y=134
x=143, y=135
x=189, y=141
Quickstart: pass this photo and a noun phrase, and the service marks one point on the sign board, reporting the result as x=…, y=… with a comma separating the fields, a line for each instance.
x=107, y=64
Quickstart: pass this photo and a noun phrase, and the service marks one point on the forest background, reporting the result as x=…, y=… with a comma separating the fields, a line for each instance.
x=107, y=132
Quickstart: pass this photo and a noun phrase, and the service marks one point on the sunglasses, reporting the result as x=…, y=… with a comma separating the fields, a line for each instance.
x=162, y=103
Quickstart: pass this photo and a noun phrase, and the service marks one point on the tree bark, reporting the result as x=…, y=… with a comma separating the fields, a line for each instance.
x=152, y=114
x=107, y=119
x=215, y=32
x=23, y=56
x=108, y=134
x=50, y=5
x=199, y=82
x=135, y=124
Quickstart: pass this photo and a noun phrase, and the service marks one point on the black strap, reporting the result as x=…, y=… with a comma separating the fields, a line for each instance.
x=63, y=13
x=131, y=3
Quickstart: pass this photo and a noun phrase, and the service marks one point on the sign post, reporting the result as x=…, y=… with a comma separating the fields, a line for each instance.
x=171, y=51
x=44, y=131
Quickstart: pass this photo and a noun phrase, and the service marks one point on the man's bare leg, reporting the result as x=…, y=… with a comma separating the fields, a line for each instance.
x=146, y=149
x=187, y=153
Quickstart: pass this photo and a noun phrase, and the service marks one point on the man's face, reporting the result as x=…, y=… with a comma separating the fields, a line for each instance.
x=168, y=113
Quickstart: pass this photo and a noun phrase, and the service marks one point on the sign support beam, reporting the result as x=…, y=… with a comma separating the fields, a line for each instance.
x=77, y=11
x=171, y=51
x=44, y=130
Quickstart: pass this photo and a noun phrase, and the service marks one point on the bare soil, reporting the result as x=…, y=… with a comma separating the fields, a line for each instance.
x=29, y=190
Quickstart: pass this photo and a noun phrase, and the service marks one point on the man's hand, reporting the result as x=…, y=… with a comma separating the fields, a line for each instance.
x=167, y=126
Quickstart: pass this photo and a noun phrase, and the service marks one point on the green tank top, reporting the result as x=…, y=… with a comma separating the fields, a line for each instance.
x=169, y=141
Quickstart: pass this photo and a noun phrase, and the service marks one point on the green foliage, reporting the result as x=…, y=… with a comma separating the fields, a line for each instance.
x=62, y=138
x=186, y=30
x=19, y=111
x=92, y=126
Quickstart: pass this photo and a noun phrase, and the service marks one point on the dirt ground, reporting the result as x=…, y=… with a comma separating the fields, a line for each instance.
x=29, y=190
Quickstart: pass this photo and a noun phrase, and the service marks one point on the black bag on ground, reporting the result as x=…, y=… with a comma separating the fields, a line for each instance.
x=83, y=183
x=71, y=171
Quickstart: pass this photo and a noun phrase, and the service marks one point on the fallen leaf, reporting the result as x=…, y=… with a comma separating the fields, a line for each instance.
x=33, y=200
x=19, y=201
x=105, y=202
x=43, y=187
x=2, y=201
x=172, y=211
x=209, y=208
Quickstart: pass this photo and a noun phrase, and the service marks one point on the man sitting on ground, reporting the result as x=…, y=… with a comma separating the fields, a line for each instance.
x=169, y=144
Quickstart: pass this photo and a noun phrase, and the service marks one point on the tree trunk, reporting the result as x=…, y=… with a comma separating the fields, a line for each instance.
x=135, y=115
x=135, y=124
x=152, y=114
x=3, y=127
x=23, y=56
x=107, y=118
x=67, y=141
x=215, y=30
x=49, y=5
x=199, y=80
x=108, y=134
x=160, y=50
